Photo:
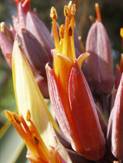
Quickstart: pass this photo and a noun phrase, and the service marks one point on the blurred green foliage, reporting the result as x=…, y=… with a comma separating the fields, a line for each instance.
x=3, y=10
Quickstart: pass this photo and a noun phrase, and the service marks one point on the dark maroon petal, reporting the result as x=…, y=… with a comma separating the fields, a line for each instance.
x=42, y=83
x=99, y=66
x=102, y=121
x=63, y=140
x=117, y=76
x=36, y=54
x=77, y=158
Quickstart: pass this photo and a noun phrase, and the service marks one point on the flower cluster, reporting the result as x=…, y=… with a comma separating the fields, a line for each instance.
x=84, y=123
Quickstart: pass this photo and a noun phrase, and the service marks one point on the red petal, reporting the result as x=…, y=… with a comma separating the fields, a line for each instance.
x=85, y=117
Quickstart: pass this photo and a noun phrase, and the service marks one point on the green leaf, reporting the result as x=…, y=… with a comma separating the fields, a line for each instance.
x=7, y=96
x=11, y=147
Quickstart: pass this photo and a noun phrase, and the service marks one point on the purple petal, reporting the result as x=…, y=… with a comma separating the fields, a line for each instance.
x=36, y=54
x=39, y=30
x=99, y=66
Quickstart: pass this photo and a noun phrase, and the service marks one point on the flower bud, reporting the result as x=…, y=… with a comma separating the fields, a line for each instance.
x=40, y=31
x=99, y=66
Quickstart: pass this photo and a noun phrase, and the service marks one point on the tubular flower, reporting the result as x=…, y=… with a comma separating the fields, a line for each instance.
x=29, y=98
x=38, y=151
x=98, y=45
x=31, y=22
x=69, y=92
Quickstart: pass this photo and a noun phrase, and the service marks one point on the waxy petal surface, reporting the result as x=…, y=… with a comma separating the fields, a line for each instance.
x=98, y=45
x=60, y=102
x=85, y=117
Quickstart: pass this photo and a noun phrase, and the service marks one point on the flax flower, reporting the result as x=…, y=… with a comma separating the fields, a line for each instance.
x=70, y=95
x=99, y=66
x=30, y=102
x=37, y=150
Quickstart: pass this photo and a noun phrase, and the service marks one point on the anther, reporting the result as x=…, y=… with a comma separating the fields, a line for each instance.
x=70, y=31
x=36, y=141
x=53, y=13
x=73, y=9
x=28, y=116
x=98, y=14
x=16, y=118
x=61, y=31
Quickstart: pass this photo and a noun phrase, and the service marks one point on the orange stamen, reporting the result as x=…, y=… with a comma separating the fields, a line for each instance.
x=98, y=13
x=68, y=43
x=53, y=15
x=30, y=135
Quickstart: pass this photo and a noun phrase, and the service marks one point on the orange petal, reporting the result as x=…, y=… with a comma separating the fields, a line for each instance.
x=57, y=102
x=82, y=58
x=29, y=133
x=60, y=102
x=62, y=66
